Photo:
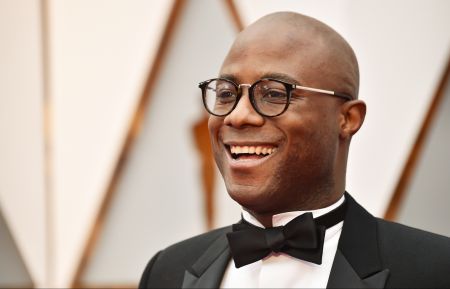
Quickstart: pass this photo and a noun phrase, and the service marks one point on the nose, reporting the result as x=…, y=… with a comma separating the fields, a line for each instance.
x=244, y=114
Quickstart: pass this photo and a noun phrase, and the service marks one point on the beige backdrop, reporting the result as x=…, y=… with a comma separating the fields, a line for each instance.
x=101, y=125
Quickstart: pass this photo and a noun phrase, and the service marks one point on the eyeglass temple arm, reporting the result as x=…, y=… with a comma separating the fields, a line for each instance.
x=330, y=92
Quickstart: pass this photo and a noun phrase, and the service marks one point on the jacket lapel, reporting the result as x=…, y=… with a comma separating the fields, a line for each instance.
x=208, y=270
x=357, y=263
x=343, y=276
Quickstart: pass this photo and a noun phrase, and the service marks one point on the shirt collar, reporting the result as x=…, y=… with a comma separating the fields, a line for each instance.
x=284, y=218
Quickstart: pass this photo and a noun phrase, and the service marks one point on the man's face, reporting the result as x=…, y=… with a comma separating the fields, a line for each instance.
x=300, y=146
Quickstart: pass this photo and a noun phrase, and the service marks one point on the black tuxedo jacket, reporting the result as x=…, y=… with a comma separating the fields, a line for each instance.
x=372, y=253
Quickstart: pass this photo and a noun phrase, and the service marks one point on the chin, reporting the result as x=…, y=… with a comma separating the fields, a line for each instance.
x=253, y=198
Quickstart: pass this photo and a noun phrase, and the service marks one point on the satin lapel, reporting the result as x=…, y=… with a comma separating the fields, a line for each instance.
x=343, y=276
x=208, y=270
x=357, y=262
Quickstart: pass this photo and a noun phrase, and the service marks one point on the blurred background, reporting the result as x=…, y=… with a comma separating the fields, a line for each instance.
x=104, y=151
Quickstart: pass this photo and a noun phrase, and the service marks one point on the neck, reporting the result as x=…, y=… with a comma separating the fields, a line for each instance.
x=266, y=218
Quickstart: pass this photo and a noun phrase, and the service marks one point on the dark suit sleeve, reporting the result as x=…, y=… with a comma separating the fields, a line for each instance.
x=146, y=275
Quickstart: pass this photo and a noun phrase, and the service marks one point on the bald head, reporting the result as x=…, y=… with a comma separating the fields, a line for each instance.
x=323, y=56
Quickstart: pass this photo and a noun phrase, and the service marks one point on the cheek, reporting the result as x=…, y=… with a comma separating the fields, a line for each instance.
x=214, y=124
x=312, y=141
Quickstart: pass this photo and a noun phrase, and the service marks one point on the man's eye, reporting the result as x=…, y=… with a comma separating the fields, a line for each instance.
x=225, y=96
x=275, y=96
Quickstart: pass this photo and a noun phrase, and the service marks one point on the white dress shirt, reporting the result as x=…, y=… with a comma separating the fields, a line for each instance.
x=279, y=270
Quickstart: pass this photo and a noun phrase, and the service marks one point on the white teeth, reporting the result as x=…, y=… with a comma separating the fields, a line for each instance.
x=264, y=150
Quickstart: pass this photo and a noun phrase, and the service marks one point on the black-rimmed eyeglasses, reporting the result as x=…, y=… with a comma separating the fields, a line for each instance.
x=269, y=97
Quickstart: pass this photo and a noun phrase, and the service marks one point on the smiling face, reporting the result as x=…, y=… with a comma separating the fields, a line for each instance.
x=296, y=160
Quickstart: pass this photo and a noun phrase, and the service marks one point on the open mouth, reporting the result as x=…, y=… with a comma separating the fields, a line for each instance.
x=250, y=152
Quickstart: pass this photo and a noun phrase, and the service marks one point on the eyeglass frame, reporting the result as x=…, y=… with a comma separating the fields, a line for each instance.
x=288, y=86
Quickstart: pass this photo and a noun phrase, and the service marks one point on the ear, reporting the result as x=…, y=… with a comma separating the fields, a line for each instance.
x=352, y=117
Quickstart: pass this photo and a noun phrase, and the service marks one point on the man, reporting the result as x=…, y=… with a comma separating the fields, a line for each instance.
x=283, y=112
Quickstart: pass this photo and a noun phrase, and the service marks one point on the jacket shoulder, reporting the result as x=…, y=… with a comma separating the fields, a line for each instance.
x=414, y=256
x=166, y=269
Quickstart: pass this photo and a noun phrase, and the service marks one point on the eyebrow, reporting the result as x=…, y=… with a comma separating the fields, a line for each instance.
x=274, y=75
x=281, y=76
x=229, y=77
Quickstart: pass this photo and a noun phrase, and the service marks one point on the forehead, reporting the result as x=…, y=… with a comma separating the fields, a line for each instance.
x=255, y=55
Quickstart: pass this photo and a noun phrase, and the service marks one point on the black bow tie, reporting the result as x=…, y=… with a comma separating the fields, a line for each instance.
x=301, y=238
